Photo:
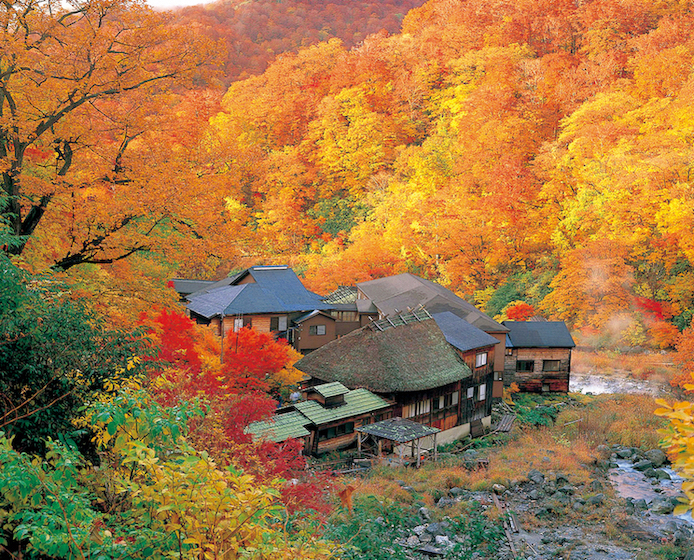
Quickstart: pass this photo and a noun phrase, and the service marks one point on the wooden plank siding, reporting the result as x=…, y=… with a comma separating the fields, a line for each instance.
x=539, y=380
x=316, y=446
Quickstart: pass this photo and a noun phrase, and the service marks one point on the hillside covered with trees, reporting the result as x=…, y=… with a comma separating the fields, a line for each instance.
x=533, y=156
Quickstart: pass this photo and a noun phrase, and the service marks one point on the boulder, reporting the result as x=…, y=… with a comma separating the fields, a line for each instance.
x=643, y=465
x=656, y=456
x=536, y=476
x=662, y=506
x=596, y=500
x=662, y=475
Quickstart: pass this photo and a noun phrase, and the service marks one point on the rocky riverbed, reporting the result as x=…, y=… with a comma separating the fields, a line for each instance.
x=553, y=516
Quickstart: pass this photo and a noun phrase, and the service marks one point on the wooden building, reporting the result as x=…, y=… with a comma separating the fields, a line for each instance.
x=407, y=360
x=326, y=419
x=269, y=299
x=538, y=356
x=398, y=294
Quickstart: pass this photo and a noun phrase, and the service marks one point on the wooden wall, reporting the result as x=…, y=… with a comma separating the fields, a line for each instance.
x=538, y=381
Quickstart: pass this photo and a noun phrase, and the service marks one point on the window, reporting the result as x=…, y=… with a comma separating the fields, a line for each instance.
x=471, y=393
x=316, y=330
x=335, y=431
x=525, y=365
x=550, y=365
x=238, y=324
x=483, y=392
x=509, y=351
x=278, y=323
x=481, y=359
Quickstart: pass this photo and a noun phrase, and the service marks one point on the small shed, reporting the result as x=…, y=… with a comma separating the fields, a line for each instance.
x=400, y=431
x=538, y=356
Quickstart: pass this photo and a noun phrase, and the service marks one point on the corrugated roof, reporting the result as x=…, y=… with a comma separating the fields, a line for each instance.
x=461, y=334
x=357, y=402
x=280, y=427
x=412, y=357
x=186, y=286
x=275, y=290
x=400, y=430
x=344, y=294
x=538, y=334
x=330, y=389
x=396, y=294
x=210, y=303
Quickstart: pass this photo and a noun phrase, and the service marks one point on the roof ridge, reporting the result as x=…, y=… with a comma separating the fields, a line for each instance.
x=412, y=316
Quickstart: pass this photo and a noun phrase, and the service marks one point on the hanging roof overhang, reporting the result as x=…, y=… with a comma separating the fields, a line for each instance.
x=399, y=430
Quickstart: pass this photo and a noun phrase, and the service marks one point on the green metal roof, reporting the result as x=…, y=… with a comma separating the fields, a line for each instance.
x=400, y=430
x=281, y=427
x=359, y=401
x=328, y=390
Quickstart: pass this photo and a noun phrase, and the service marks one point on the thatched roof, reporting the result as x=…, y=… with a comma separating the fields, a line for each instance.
x=407, y=357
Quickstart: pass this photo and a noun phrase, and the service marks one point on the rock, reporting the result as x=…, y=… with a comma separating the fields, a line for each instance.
x=434, y=529
x=624, y=453
x=499, y=489
x=662, y=506
x=577, y=506
x=650, y=473
x=561, y=479
x=380, y=521
x=443, y=541
x=655, y=456
x=426, y=537
x=536, y=476
x=662, y=475
x=424, y=514
x=567, y=489
x=535, y=494
x=412, y=541
x=419, y=530
x=445, y=502
x=596, y=500
x=430, y=550
x=640, y=504
x=456, y=492
x=689, y=555
x=596, y=485
x=408, y=489
x=643, y=465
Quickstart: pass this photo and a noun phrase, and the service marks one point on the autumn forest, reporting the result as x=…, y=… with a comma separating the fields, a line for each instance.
x=534, y=154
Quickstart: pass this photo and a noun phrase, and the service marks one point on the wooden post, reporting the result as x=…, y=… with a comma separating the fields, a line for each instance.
x=221, y=330
x=380, y=445
x=436, y=451
x=359, y=444
x=419, y=453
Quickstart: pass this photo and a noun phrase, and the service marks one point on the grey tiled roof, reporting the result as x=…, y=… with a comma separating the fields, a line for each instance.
x=538, y=334
x=186, y=286
x=275, y=290
x=400, y=430
x=461, y=334
x=396, y=294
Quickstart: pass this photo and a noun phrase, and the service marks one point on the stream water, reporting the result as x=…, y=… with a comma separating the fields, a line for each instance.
x=630, y=483
x=599, y=384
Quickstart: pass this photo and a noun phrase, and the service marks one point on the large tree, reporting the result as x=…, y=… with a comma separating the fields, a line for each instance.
x=82, y=85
